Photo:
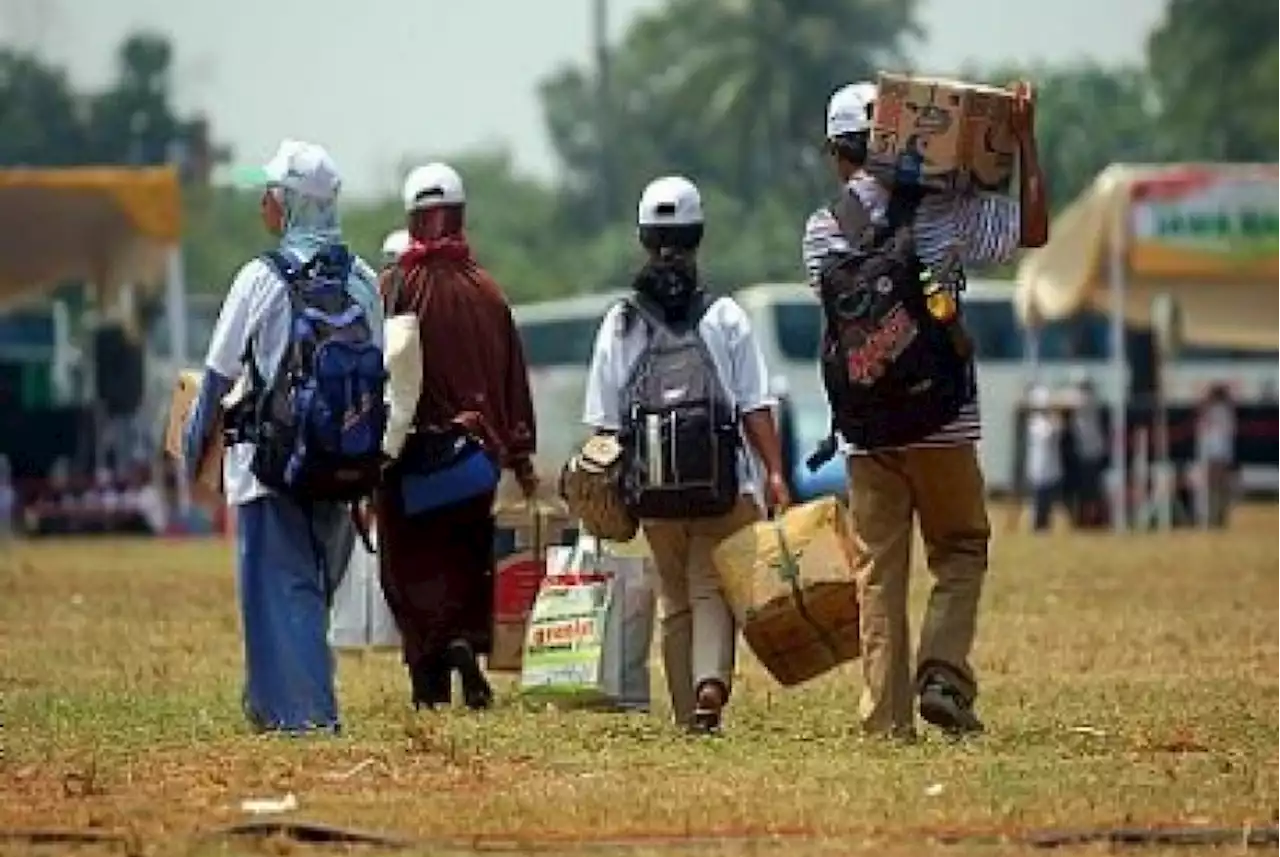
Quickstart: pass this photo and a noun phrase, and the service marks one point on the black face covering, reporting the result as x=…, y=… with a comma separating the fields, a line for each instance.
x=670, y=281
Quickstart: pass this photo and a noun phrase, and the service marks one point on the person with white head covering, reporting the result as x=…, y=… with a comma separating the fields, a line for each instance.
x=670, y=299
x=1044, y=456
x=459, y=384
x=288, y=556
x=934, y=474
x=394, y=245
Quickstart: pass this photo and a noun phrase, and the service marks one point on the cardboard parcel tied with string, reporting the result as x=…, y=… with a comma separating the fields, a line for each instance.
x=790, y=583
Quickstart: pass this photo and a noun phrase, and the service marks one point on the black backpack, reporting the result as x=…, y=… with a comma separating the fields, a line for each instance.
x=680, y=434
x=892, y=372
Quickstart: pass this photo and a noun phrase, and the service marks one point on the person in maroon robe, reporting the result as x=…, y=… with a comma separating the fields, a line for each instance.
x=437, y=567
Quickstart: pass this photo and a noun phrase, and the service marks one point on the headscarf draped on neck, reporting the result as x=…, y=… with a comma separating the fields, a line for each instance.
x=309, y=223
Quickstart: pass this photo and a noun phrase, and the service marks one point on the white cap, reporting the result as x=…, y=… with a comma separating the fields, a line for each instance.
x=670, y=201
x=432, y=185
x=303, y=168
x=1040, y=397
x=394, y=245
x=849, y=110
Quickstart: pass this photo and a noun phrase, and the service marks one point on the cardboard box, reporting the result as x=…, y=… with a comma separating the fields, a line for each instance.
x=209, y=473
x=941, y=134
x=524, y=531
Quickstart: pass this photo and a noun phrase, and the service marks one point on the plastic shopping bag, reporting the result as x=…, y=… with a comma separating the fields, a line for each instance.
x=590, y=630
x=360, y=618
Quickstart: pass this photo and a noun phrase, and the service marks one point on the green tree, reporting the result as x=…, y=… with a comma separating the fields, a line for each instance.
x=1087, y=117
x=38, y=112
x=1214, y=66
x=730, y=92
x=134, y=122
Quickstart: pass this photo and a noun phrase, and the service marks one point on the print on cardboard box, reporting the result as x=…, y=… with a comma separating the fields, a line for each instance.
x=989, y=140
x=915, y=136
x=522, y=536
x=941, y=135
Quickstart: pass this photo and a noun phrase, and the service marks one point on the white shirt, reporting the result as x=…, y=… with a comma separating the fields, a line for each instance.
x=1216, y=433
x=739, y=363
x=983, y=228
x=1044, y=453
x=8, y=505
x=257, y=310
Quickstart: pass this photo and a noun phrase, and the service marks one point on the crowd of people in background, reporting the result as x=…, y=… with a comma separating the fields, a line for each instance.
x=1066, y=453
x=140, y=499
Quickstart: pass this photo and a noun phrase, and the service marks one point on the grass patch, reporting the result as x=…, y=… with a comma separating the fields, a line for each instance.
x=1128, y=681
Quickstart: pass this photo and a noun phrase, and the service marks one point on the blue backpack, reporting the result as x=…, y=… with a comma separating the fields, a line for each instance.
x=317, y=428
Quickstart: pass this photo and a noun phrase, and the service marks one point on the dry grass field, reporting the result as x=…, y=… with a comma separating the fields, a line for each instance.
x=1126, y=681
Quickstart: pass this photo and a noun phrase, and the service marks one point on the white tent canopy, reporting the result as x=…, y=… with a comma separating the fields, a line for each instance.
x=1203, y=233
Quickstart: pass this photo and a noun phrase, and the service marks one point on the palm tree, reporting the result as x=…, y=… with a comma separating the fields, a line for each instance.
x=757, y=74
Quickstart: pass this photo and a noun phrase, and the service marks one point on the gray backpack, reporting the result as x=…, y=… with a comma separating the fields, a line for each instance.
x=680, y=432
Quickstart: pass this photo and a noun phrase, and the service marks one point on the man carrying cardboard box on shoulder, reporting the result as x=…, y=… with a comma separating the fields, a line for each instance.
x=887, y=259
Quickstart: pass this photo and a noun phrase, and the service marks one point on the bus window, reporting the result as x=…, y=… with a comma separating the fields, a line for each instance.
x=1086, y=336
x=561, y=342
x=994, y=328
x=798, y=329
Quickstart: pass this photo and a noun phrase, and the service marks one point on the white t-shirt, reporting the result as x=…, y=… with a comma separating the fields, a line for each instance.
x=256, y=310
x=1044, y=454
x=1216, y=433
x=739, y=362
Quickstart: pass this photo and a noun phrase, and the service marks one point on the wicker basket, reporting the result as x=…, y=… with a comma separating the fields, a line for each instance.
x=790, y=583
x=589, y=485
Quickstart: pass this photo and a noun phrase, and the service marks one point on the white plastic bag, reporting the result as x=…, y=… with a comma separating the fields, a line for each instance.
x=591, y=629
x=360, y=618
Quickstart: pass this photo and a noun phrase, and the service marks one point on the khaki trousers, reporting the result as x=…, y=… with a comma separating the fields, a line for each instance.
x=944, y=489
x=698, y=630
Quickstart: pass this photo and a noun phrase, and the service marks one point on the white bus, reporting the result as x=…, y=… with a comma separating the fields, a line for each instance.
x=558, y=337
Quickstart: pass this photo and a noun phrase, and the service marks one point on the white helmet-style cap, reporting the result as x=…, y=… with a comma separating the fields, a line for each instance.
x=298, y=166
x=394, y=245
x=849, y=110
x=670, y=201
x=432, y=185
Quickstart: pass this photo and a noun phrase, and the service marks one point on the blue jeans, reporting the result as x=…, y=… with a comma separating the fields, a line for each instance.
x=289, y=564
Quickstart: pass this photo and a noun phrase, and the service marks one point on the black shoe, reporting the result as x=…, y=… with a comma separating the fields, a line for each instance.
x=711, y=701
x=945, y=707
x=432, y=682
x=476, y=692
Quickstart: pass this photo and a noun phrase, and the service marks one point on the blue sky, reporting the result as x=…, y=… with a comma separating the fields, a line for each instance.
x=379, y=80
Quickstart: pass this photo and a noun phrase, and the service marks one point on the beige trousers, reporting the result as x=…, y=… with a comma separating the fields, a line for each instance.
x=698, y=630
x=944, y=489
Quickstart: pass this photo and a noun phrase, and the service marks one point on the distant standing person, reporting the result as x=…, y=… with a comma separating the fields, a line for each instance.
x=472, y=415
x=913, y=446
x=1216, y=452
x=673, y=361
x=292, y=546
x=1044, y=457
x=1088, y=500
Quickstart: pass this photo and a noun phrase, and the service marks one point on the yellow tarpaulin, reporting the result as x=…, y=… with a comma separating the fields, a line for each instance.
x=1203, y=233
x=108, y=226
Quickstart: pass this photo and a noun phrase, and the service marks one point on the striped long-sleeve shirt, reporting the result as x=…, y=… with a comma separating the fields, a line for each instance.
x=983, y=229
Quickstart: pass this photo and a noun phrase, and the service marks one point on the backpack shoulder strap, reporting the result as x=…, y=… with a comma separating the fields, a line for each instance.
x=283, y=265
x=851, y=216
